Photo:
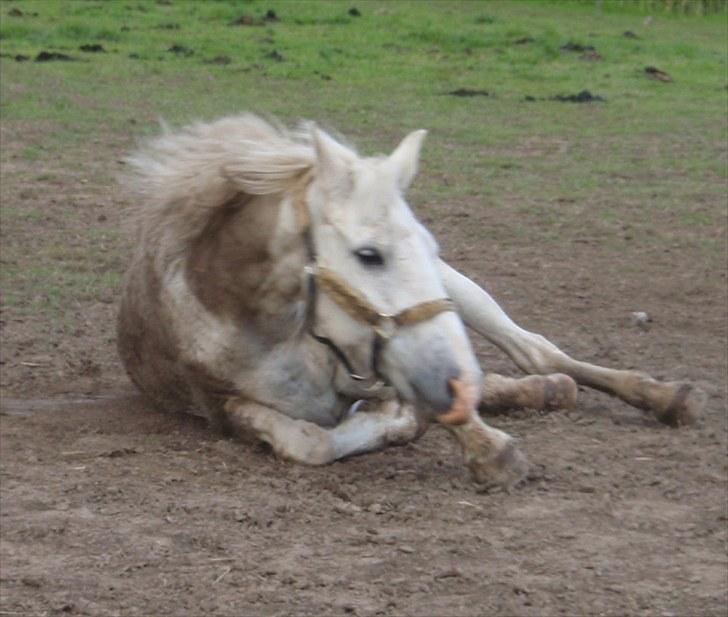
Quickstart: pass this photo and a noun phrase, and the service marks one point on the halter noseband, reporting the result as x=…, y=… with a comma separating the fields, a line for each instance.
x=353, y=302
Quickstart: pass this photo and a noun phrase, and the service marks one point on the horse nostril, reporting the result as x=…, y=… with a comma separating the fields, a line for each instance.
x=450, y=391
x=433, y=386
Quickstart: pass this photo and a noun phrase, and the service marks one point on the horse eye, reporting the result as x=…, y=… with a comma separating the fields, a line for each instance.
x=369, y=256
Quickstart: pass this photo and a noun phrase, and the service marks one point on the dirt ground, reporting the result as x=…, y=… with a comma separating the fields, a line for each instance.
x=111, y=508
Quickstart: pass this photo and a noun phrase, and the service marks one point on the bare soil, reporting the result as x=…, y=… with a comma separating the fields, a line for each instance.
x=111, y=508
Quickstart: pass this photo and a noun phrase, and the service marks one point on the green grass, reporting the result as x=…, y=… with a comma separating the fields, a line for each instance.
x=652, y=148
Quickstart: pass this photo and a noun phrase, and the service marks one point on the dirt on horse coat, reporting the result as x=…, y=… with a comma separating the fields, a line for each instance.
x=240, y=221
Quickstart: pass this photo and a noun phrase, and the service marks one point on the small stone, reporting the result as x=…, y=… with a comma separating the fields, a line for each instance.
x=641, y=320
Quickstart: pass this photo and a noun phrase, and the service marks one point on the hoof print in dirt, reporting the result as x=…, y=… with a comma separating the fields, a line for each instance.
x=52, y=56
x=654, y=73
x=180, y=50
x=582, y=97
x=93, y=48
x=468, y=92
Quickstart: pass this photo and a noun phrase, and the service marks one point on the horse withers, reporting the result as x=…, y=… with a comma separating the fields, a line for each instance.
x=282, y=287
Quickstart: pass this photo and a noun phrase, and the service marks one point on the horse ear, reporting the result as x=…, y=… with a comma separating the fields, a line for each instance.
x=332, y=159
x=406, y=157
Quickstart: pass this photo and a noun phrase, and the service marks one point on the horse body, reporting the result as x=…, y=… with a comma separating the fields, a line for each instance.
x=279, y=278
x=225, y=318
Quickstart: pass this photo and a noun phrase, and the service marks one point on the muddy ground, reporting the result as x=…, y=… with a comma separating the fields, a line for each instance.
x=110, y=508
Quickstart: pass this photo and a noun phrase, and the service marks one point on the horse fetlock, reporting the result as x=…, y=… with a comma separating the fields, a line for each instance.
x=560, y=392
x=294, y=440
x=407, y=427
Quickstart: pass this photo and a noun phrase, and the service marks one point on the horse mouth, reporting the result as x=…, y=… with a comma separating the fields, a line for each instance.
x=465, y=400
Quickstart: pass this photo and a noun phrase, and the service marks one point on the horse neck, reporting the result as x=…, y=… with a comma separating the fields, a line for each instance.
x=245, y=267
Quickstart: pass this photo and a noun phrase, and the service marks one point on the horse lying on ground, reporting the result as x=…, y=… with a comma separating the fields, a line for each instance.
x=281, y=287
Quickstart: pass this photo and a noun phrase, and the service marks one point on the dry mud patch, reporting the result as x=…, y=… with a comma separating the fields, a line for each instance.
x=110, y=508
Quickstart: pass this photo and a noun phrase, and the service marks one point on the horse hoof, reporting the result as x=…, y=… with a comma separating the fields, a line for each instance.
x=686, y=406
x=505, y=469
x=560, y=392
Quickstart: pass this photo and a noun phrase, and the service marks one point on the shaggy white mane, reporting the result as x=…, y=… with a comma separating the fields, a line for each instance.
x=180, y=178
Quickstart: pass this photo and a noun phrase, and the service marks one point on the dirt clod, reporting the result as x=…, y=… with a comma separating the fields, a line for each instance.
x=51, y=56
x=655, y=73
x=221, y=60
x=468, y=92
x=577, y=47
x=582, y=97
x=93, y=48
x=180, y=50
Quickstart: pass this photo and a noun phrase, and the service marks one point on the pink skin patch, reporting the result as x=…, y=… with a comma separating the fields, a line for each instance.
x=466, y=398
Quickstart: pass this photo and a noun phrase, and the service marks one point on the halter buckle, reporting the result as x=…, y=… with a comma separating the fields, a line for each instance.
x=386, y=326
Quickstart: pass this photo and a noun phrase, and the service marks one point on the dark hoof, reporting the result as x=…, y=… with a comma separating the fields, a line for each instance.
x=686, y=406
x=505, y=469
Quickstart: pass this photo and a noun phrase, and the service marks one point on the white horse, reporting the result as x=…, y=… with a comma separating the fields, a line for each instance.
x=282, y=287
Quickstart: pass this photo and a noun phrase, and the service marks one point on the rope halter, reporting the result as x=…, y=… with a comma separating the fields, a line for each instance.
x=353, y=302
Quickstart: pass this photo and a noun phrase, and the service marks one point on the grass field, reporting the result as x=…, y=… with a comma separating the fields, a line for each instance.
x=374, y=76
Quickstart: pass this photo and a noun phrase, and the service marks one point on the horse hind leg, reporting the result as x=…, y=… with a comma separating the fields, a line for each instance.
x=674, y=403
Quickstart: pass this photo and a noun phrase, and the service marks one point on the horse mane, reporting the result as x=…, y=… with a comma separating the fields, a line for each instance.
x=181, y=179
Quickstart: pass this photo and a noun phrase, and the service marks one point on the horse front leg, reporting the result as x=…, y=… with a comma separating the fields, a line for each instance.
x=311, y=444
x=490, y=454
x=673, y=403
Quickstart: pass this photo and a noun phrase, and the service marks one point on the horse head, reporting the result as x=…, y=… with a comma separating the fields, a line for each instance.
x=380, y=301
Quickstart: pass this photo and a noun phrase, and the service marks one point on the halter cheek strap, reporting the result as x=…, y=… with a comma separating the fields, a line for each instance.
x=352, y=301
